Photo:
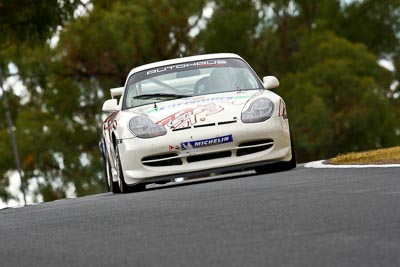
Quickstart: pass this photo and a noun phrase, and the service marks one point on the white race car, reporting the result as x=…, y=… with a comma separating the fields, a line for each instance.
x=192, y=116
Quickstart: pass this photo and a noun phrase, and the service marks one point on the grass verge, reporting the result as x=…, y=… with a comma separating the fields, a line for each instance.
x=380, y=156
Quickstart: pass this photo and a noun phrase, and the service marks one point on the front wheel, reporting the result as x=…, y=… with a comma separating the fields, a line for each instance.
x=123, y=187
x=279, y=166
x=112, y=186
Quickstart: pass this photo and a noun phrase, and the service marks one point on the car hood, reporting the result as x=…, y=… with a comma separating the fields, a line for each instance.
x=200, y=110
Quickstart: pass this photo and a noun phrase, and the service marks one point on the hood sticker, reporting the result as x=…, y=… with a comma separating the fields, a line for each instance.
x=189, y=116
x=202, y=101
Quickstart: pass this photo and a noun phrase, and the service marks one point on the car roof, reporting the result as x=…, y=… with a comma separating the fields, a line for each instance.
x=182, y=60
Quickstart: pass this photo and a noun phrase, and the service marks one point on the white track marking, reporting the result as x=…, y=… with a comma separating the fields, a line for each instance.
x=320, y=164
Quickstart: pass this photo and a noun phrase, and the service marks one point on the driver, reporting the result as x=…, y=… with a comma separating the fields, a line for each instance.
x=221, y=80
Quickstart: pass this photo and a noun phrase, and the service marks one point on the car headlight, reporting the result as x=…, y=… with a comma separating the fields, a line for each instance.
x=260, y=110
x=143, y=127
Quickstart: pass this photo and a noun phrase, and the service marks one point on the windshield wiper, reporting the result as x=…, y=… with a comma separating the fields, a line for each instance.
x=160, y=95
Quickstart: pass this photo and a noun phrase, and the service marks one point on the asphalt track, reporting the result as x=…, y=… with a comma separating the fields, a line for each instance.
x=303, y=217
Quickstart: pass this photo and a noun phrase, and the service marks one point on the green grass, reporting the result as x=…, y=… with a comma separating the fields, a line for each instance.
x=380, y=156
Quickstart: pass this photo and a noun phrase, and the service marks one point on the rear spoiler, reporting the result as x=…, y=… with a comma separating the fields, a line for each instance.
x=116, y=91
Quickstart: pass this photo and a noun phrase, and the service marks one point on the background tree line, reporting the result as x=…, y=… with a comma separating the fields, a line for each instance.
x=325, y=53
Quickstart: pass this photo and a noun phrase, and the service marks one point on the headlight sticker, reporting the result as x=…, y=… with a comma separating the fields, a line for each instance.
x=282, y=109
x=207, y=142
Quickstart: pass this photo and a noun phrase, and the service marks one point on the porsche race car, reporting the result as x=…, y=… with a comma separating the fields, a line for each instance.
x=192, y=116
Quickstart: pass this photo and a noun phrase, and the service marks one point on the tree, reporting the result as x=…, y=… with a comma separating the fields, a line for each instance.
x=292, y=42
x=32, y=22
x=232, y=28
x=373, y=23
x=67, y=85
x=21, y=29
x=336, y=98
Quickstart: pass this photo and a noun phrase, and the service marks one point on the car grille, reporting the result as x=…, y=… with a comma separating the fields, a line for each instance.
x=251, y=147
x=245, y=148
x=209, y=156
x=162, y=160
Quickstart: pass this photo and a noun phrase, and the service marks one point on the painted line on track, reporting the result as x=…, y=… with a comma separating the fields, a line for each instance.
x=321, y=165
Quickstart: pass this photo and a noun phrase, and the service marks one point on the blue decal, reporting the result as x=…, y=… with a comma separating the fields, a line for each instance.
x=207, y=142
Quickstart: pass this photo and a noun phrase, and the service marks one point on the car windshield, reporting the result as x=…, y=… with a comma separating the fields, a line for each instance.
x=189, y=79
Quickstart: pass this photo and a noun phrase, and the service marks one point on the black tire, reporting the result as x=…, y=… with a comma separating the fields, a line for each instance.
x=106, y=174
x=123, y=187
x=113, y=186
x=105, y=163
x=279, y=166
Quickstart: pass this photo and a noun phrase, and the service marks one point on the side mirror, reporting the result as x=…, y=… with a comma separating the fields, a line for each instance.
x=116, y=91
x=270, y=82
x=110, y=105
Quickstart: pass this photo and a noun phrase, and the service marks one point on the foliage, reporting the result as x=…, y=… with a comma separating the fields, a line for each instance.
x=23, y=26
x=125, y=34
x=324, y=52
x=232, y=28
x=333, y=98
x=380, y=156
x=373, y=23
x=30, y=21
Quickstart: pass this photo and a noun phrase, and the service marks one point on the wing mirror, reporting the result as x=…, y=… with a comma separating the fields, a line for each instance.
x=110, y=105
x=116, y=91
x=270, y=82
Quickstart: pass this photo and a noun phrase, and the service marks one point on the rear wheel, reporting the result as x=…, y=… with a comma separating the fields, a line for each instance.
x=123, y=187
x=279, y=166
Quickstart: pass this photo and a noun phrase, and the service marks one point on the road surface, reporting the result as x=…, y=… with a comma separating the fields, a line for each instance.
x=303, y=217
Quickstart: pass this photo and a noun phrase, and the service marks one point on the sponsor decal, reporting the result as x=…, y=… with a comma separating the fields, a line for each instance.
x=200, y=64
x=189, y=116
x=202, y=101
x=170, y=147
x=107, y=126
x=207, y=142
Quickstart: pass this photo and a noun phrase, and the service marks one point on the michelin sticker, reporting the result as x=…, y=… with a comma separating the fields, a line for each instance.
x=207, y=142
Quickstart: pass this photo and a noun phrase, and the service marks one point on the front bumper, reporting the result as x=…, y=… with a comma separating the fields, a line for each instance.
x=160, y=158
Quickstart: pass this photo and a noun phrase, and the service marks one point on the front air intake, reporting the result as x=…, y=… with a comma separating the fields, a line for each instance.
x=254, y=147
x=210, y=156
x=162, y=160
